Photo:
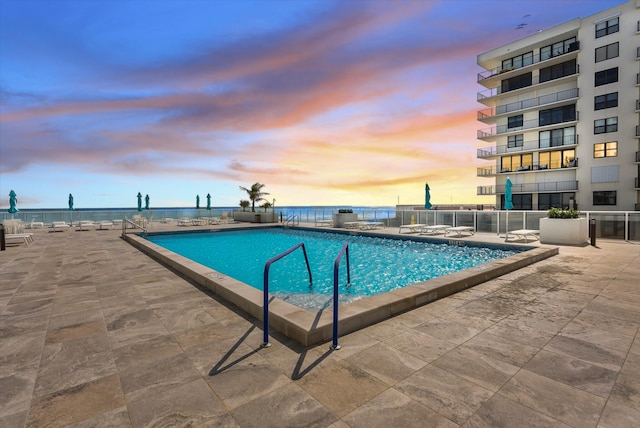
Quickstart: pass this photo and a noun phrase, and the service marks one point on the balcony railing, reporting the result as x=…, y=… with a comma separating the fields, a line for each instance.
x=637, y=130
x=528, y=124
x=637, y=157
x=536, y=59
x=637, y=105
x=559, y=186
x=532, y=145
x=535, y=81
x=637, y=183
x=486, y=171
x=529, y=103
x=486, y=190
x=637, y=78
x=638, y=53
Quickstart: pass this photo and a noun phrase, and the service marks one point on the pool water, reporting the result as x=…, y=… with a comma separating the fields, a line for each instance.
x=378, y=265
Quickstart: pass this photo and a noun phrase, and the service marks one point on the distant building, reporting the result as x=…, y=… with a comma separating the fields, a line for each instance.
x=562, y=114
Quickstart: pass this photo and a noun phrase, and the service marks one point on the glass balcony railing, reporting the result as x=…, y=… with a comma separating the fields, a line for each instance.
x=529, y=103
x=527, y=146
x=528, y=124
x=558, y=186
x=573, y=47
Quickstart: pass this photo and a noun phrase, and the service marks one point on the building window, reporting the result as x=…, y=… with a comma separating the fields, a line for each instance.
x=557, y=137
x=559, y=48
x=515, y=141
x=606, y=76
x=518, y=61
x=557, y=71
x=607, y=27
x=555, y=200
x=602, y=126
x=607, y=197
x=515, y=121
x=607, y=52
x=516, y=82
x=516, y=163
x=558, y=159
x=602, y=102
x=605, y=150
x=557, y=115
x=521, y=201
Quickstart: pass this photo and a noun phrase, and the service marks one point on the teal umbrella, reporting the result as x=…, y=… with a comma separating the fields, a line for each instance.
x=208, y=202
x=70, y=202
x=13, y=200
x=427, y=197
x=139, y=202
x=508, y=203
x=146, y=202
x=197, y=201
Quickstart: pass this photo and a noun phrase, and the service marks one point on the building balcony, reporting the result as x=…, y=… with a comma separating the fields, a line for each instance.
x=637, y=183
x=572, y=50
x=486, y=171
x=490, y=113
x=485, y=96
x=526, y=125
x=637, y=131
x=527, y=146
x=561, y=186
x=638, y=53
x=637, y=79
x=492, y=171
x=637, y=106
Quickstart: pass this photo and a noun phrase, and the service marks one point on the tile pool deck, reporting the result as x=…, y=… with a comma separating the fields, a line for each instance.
x=95, y=333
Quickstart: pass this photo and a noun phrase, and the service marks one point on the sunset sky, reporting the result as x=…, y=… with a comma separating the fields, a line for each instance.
x=352, y=102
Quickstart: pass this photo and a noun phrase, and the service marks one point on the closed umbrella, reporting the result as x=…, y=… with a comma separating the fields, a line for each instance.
x=427, y=197
x=146, y=202
x=13, y=200
x=70, y=202
x=508, y=203
x=197, y=201
x=208, y=202
x=139, y=202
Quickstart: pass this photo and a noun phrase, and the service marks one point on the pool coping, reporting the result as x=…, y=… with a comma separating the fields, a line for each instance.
x=311, y=328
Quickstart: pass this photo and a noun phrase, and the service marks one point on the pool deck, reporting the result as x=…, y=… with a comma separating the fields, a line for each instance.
x=95, y=333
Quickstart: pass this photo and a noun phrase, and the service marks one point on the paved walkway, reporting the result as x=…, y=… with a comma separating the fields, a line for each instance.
x=94, y=333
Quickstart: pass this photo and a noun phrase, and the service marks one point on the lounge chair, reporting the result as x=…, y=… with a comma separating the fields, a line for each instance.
x=524, y=234
x=370, y=225
x=105, y=224
x=459, y=230
x=185, y=221
x=27, y=238
x=320, y=223
x=85, y=225
x=59, y=226
x=434, y=229
x=412, y=228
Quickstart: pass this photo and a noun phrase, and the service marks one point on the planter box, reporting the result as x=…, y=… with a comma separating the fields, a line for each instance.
x=253, y=217
x=340, y=219
x=564, y=231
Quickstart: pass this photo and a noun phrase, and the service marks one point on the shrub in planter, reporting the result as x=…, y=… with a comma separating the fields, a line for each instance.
x=560, y=213
x=563, y=227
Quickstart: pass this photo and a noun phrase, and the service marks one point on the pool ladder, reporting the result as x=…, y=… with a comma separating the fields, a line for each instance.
x=292, y=220
x=336, y=267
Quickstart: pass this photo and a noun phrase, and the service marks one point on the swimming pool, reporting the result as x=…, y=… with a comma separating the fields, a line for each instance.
x=309, y=327
x=378, y=265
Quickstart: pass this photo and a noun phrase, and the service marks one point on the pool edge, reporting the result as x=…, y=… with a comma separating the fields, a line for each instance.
x=310, y=328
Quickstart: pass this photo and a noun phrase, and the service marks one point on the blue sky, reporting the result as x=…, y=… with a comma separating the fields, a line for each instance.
x=325, y=102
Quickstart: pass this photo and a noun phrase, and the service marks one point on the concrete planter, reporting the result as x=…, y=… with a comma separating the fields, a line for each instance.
x=340, y=219
x=564, y=231
x=253, y=217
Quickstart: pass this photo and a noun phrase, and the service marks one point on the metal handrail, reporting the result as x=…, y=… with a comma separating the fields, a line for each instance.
x=291, y=220
x=135, y=225
x=336, y=267
x=265, y=306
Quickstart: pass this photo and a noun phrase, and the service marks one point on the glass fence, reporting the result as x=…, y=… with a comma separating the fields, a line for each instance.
x=620, y=225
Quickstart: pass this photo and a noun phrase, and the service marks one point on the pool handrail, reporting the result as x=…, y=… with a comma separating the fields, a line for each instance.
x=265, y=306
x=336, y=267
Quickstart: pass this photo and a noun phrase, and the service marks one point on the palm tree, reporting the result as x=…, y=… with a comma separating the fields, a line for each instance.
x=255, y=194
x=244, y=204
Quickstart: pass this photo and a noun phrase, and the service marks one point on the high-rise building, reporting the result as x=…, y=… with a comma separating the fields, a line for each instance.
x=562, y=111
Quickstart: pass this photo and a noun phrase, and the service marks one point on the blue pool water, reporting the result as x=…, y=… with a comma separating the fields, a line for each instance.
x=378, y=265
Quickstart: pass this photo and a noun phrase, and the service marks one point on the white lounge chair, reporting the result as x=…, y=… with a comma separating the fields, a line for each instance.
x=59, y=226
x=320, y=223
x=434, y=229
x=85, y=225
x=524, y=234
x=370, y=225
x=412, y=228
x=27, y=238
x=459, y=230
x=105, y=224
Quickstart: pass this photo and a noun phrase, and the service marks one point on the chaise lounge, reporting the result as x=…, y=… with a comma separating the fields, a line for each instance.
x=435, y=229
x=459, y=230
x=524, y=234
x=59, y=226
